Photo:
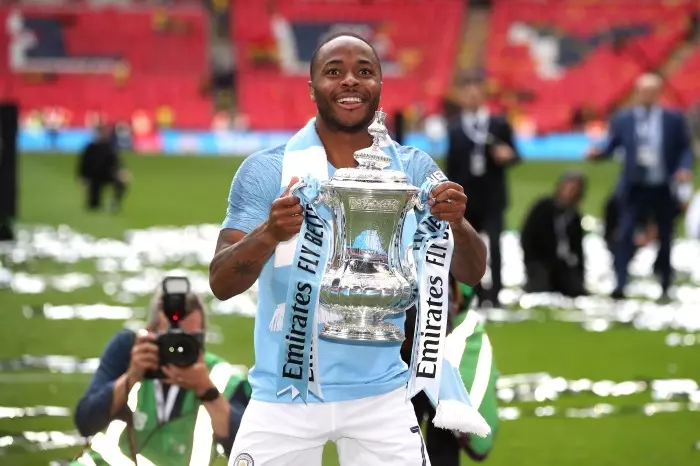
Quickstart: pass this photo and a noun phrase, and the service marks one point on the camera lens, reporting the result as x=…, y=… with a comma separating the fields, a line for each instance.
x=178, y=349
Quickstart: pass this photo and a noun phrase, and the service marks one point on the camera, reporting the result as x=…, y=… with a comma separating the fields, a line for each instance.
x=175, y=346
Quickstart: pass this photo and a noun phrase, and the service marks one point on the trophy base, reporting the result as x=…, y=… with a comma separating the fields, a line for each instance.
x=349, y=331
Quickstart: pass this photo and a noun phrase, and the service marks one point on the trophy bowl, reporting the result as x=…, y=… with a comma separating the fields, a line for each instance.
x=368, y=275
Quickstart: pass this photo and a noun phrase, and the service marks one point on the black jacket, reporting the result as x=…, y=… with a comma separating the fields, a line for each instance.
x=490, y=191
x=538, y=237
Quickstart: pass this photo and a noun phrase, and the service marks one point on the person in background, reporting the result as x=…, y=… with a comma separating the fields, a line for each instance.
x=175, y=420
x=646, y=232
x=657, y=159
x=468, y=343
x=552, y=240
x=692, y=217
x=481, y=148
x=693, y=117
x=99, y=166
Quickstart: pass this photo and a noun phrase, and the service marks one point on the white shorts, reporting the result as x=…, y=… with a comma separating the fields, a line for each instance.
x=380, y=430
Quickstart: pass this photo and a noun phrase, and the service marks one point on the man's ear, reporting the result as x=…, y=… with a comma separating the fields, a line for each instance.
x=311, y=92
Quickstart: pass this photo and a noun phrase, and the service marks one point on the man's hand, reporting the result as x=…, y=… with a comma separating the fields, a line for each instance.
x=683, y=175
x=503, y=153
x=195, y=377
x=144, y=356
x=593, y=153
x=124, y=175
x=448, y=202
x=285, y=215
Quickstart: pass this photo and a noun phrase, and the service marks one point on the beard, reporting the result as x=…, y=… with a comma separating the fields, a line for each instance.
x=326, y=113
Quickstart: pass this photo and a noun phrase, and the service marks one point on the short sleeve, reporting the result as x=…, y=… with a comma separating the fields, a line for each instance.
x=255, y=185
x=422, y=166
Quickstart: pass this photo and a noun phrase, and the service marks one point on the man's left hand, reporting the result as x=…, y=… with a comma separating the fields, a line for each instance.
x=195, y=377
x=448, y=202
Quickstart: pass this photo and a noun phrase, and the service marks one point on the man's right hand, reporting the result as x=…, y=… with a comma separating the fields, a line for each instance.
x=285, y=215
x=144, y=356
x=593, y=153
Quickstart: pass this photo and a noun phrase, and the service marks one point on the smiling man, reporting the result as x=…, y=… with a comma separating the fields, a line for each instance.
x=363, y=406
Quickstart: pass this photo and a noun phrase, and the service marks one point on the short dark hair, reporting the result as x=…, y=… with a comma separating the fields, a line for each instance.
x=573, y=175
x=333, y=36
x=472, y=78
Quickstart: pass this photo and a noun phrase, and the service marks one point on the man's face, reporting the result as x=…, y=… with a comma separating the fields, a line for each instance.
x=103, y=133
x=648, y=94
x=472, y=96
x=346, y=84
x=190, y=324
x=570, y=192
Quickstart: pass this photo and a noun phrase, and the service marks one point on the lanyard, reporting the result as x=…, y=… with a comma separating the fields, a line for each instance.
x=643, y=127
x=164, y=408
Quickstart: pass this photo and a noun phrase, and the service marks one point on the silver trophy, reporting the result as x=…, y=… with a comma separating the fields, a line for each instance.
x=368, y=276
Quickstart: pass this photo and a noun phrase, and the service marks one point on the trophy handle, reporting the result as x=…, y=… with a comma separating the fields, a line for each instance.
x=417, y=203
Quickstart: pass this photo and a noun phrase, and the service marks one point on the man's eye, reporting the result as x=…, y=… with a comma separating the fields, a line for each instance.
x=366, y=71
x=333, y=71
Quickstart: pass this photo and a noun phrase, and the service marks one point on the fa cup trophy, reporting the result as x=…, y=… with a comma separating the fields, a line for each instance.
x=368, y=276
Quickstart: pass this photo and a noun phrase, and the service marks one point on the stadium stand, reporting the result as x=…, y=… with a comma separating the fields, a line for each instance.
x=74, y=58
x=561, y=57
x=682, y=85
x=275, y=44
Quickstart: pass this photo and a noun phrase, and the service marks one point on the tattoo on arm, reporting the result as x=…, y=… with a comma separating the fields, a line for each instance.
x=244, y=267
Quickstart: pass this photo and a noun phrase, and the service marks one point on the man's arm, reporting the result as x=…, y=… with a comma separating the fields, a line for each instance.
x=578, y=244
x=613, y=141
x=219, y=412
x=686, y=147
x=509, y=139
x=82, y=165
x=237, y=403
x=238, y=260
x=534, y=241
x=469, y=257
x=255, y=223
x=108, y=390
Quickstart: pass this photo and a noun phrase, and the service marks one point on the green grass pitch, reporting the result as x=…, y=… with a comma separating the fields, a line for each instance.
x=184, y=190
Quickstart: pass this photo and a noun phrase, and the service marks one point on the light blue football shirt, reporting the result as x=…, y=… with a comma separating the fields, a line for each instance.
x=347, y=370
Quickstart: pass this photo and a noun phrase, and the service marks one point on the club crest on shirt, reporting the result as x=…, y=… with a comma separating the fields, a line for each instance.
x=244, y=459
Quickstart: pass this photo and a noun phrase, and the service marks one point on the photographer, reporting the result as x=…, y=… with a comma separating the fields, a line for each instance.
x=468, y=342
x=162, y=398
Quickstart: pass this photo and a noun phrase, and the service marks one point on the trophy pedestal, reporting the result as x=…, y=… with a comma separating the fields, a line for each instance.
x=359, y=328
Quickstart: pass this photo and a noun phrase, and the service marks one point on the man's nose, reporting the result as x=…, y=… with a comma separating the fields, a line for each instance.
x=350, y=80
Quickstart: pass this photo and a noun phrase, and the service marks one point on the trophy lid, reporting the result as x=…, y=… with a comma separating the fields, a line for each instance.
x=372, y=164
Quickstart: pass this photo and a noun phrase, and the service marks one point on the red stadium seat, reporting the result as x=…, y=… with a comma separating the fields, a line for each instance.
x=165, y=68
x=603, y=76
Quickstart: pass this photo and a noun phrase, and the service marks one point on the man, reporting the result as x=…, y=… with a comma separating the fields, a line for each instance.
x=364, y=408
x=470, y=344
x=171, y=421
x=657, y=156
x=552, y=240
x=99, y=166
x=481, y=148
